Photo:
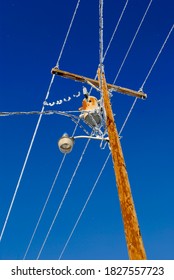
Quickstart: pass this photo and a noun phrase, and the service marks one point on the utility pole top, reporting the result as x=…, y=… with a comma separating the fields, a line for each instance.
x=79, y=78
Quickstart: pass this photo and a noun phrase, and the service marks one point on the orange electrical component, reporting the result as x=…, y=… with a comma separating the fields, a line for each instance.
x=89, y=104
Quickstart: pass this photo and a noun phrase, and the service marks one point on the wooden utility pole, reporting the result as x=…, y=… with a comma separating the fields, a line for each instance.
x=134, y=241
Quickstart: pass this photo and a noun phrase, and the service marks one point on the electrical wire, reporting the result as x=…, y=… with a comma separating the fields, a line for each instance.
x=71, y=23
x=49, y=112
x=101, y=33
x=44, y=207
x=156, y=59
x=133, y=40
x=112, y=37
x=47, y=199
x=74, y=118
x=116, y=27
x=21, y=175
x=65, y=194
x=34, y=134
x=128, y=115
x=84, y=207
x=145, y=80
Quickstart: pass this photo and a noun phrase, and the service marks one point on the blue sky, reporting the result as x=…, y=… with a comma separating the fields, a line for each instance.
x=31, y=37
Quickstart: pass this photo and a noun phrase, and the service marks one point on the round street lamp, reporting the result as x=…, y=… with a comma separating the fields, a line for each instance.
x=66, y=143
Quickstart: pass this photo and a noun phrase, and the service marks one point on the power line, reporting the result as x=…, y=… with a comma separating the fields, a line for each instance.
x=65, y=194
x=112, y=37
x=101, y=46
x=47, y=199
x=116, y=27
x=44, y=207
x=128, y=115
x=71, y=23
x=34, y=135
x=101, y=32
x=48, y=112
x=21, y=174
x=145, y=80
x=68, y=114
x=156, y=59
x=84, y=207
x=136, y=33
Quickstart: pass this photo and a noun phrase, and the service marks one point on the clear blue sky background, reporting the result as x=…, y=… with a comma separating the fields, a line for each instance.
x=31, y=37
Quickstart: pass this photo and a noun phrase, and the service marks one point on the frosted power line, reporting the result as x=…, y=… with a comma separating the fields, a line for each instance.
x=101, y=45
x=136, y=33
x=128, y=115
x=72, y=20
x=65, y=194
x=47, y=199
x=100, y=32
x=116, y=27
x=44, y=207
x=21, y=174
x=68, y=114
x=49, y=112
x=156, y=59
x=143, y=84
x=34, y=134
x=84, y=207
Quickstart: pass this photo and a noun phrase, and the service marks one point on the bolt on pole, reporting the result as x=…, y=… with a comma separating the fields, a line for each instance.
x=133, y=236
